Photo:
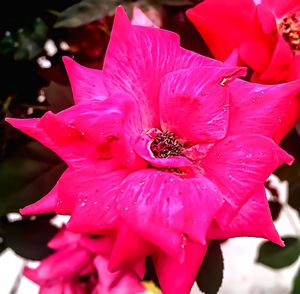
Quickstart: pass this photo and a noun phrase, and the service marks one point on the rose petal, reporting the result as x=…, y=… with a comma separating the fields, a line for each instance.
x=238, y=165
x=87, y=84
x=253, y=220
x=194, y=103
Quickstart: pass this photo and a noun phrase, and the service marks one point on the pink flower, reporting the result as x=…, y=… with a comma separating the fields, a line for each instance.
x=265, y=36
x=80, y=265
x=166, y=149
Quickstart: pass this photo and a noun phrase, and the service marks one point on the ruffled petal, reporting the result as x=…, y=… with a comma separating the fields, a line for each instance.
x=238, y=165
x=97, y=130
x=174, y=275
x=253, y=220
x=259, y=109
x=194, y=104
x=138, y=57
x=87, y=84
x=164, y=208
x=90, y=199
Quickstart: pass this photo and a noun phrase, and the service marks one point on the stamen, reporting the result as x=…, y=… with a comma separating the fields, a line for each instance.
x=289, y=28
x=165, y=145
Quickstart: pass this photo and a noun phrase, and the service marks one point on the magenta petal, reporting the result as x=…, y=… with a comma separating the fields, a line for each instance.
x=194, y=104
x=68, y=188
x=133, y=53
x=46, y=204
x=71, y=261
x=128, y=241
x=253, y=220
x=164, y=208
x=259, y=109
x=238, y=165
x=67, y=138
x=173, y=275
x=120, y=282
x=87, y=84
x=92, y=206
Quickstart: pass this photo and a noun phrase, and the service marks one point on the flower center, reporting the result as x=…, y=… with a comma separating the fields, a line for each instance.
x=165, y=144
x=289, y=28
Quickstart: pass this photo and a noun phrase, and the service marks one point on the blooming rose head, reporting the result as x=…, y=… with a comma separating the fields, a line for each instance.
x=80, y=265
x=266, y=37
x=166, y=149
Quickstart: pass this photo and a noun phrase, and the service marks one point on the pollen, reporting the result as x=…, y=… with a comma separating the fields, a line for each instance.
x=289, y=28
x=165, y=145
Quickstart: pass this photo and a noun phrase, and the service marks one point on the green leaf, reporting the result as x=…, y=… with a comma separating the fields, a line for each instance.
x=85, y=12
x=210, y=276
x=29, y=238
x=277, y=257
x=294, y=195
x=25, y=43
x=296, y=283
x=26, y=175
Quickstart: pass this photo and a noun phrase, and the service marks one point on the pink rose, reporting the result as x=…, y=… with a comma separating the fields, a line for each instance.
x=165, y=148
x=80, y=265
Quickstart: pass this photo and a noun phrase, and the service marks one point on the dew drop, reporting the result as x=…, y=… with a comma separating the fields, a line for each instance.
x=107, y=208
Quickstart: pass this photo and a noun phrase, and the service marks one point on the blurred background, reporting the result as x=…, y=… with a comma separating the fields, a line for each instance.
x=34, y=35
